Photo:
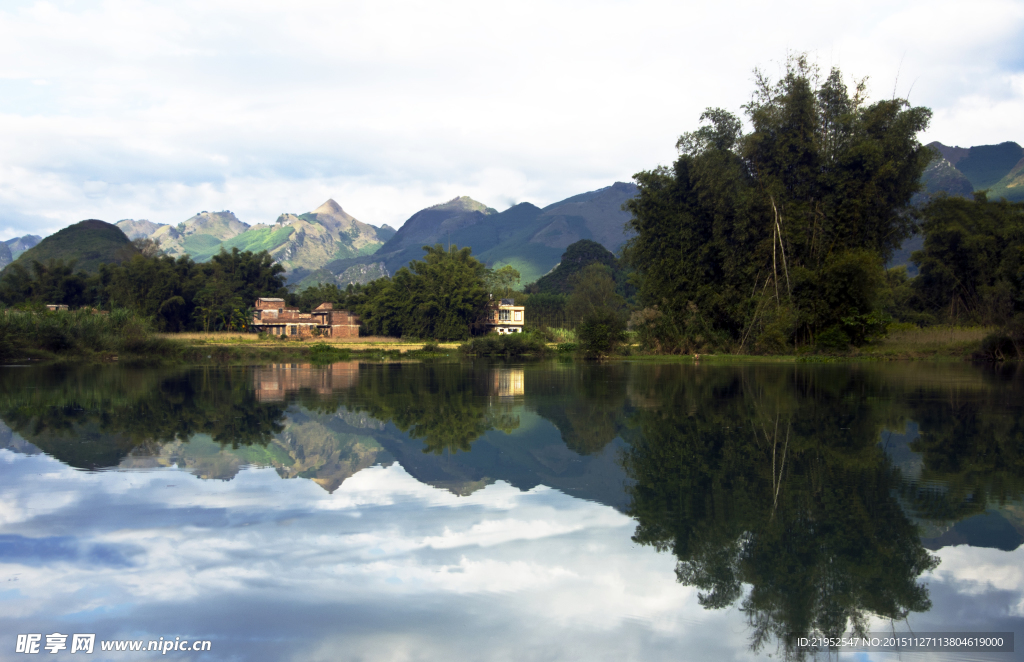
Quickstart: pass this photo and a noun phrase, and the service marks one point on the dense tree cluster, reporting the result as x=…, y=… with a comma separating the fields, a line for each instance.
x=439, y=297
x=972, y=263
x=771, y=238
x=178, y=294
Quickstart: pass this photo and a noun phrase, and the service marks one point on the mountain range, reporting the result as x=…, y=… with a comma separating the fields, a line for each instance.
x=328, y=245
x=11, y=249
x=297, y=241
x=961, y=171
x=529, y=238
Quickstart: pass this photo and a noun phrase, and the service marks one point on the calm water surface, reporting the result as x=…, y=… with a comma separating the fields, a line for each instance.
x=510, y=512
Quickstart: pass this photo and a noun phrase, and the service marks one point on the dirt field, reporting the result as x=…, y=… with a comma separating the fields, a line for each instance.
x=251, y=339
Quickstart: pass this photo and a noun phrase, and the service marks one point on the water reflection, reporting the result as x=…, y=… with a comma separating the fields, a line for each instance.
x=806, y=497
x=776, y=482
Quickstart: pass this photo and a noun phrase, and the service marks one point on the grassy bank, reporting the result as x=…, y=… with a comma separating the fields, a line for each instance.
x=936, y=343
x=83, y=336
x=80, y=335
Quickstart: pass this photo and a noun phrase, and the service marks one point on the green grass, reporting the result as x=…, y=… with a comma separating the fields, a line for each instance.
x=201, y=246
x=955, y=342
x=259, y=239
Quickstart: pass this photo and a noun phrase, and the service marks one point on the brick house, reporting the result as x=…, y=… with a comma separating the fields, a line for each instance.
x=505, y=316
x=274, y=317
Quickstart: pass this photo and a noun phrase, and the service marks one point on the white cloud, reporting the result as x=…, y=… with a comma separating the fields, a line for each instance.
x=156, y=110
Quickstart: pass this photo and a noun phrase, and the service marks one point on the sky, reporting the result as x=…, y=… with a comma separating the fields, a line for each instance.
x=144, y=109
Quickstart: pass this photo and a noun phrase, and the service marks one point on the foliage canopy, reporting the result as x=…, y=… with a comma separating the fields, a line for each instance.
x=765, y=239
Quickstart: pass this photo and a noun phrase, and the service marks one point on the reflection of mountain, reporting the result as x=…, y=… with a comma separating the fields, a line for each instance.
x=323, y=448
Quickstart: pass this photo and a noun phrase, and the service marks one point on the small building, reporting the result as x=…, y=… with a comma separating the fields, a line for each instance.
x=506, y=317
x=274, y=317
x=56, y=306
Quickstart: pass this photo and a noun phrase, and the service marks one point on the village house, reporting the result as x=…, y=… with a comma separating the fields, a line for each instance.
x=506, y=317
x=274, y=317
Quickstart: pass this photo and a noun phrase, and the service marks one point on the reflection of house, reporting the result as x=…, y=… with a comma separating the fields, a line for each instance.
x=509, y=383
x=273, y=316
x=506, y=317
x=275, y=381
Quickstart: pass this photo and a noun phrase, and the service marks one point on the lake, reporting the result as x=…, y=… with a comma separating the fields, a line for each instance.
x=485, y=511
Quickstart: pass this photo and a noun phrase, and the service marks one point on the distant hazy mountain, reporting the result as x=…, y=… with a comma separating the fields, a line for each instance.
x=361, y=274
x=941, y=175
x=5, y=255
x=89, y=243
x=329, y=245
x=529, y=238
x=138, y=229
x=456, y=221
x=963, y=170
x=304, y=242
x=311, y=240
x=200, y=236
x=535, y=245
x=385, y=232
x=19, y=245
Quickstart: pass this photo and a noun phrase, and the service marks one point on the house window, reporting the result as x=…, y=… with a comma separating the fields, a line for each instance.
x=503, y=315
x=292, y=330
x=519, y=316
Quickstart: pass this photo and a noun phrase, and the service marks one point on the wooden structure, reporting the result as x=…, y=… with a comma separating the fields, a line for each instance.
x=274, y=317
x=506, y=317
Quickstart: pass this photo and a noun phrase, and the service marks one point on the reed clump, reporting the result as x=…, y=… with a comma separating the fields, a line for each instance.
x=79, y=333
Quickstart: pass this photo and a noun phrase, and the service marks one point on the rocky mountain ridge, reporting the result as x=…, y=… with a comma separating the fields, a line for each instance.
x=961, y=171
x=297, y=241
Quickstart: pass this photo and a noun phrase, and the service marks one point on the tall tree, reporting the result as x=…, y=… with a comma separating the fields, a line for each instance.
x=765, y=239
x=972, y=263
x=438, y=297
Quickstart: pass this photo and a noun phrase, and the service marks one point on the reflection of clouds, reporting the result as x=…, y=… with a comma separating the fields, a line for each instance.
x=384, y=568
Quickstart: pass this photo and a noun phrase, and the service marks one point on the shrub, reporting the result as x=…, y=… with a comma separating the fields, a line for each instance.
x=601, y=333
x=508, y=345
x=833, y=339
x=322, y=353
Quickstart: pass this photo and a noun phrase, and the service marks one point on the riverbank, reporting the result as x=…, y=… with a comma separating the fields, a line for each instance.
x=121, y=337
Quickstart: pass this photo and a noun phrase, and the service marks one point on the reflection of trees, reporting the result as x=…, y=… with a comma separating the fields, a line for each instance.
x=972, y=448
x=773, y=479
x=443, y=404
x=92, y=417
x=587, y=404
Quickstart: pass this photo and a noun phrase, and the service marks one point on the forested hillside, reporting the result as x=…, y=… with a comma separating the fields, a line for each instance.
x=87, y=244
